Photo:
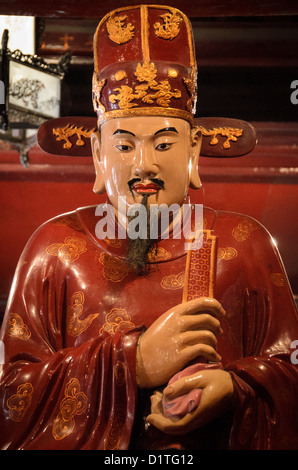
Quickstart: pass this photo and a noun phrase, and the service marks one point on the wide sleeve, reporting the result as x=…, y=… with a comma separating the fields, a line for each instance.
x=53, y=397
x=265, y=375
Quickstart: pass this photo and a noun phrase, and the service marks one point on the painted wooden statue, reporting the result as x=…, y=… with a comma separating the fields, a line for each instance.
x=174, y=341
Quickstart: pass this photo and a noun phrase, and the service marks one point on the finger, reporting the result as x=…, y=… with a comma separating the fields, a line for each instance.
x=161, y=422
x=198, y=337
x=156, y=402
x=189, y=353
x=170, y=426
x=185, y=385
x=203, y=304
x=203, y=321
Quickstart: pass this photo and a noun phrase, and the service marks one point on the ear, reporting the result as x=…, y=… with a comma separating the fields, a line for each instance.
x=99, y=186
x=196, y=143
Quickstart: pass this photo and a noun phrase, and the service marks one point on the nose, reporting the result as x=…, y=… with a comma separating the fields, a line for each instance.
x=145, y=165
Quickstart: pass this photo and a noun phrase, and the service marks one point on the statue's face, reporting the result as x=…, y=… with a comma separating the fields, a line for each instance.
x=145, y=155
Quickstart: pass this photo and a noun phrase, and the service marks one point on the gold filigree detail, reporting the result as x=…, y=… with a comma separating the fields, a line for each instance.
x=126, y=95
x=97, y=86
x=114, y=269
x=75, y=326
x=163, y=94
x=170, y=27
x=17, y=327
x=278, y=279
x=74, y=403
x=64, y=133
x=173, y=73
x=118, y=32
x=19, y=403
x=120, y=75
x=243, y=230
x=145, y=73
x=69, y=250
x=117, y=320
x=227, y=253
x=230, y=133
x=173, y=281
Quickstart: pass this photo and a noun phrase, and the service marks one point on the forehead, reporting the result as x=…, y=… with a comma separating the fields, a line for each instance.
x=145, y=126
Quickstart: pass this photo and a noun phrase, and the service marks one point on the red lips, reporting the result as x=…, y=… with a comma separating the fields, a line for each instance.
x=146, y=188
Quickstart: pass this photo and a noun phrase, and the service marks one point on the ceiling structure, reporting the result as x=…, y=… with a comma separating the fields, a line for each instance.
x=192, y=8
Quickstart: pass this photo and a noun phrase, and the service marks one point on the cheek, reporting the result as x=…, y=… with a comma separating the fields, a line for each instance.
x=177, y=171
x=116, y=176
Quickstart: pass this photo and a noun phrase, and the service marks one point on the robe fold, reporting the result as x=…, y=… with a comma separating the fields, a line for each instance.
x=74, y=316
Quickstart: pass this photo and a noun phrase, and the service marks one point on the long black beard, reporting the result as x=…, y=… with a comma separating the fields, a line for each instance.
x=138, y=249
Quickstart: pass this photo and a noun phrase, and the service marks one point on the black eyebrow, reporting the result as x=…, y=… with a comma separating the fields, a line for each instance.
x=167, y=129
x=122, y=131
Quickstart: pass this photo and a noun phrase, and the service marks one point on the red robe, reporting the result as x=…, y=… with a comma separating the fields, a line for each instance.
x=75, y=314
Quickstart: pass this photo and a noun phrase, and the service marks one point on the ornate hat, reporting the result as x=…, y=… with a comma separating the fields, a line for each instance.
x=144, y=64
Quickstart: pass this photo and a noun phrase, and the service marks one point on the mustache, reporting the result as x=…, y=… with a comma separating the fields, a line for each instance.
x=159, y=182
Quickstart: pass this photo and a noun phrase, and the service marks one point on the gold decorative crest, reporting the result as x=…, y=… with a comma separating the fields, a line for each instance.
x=228, y=132
x=64, y=133
x=119, y=32
x=170, y=27
x=145, y=73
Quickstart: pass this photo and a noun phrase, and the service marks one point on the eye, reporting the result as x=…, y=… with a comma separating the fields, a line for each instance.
x=124, y=148
x=164, y=146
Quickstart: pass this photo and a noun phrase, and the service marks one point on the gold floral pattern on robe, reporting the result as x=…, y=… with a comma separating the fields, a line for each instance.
x=74, y=403
x=19, y=403
x=114, y=269
x=113, y=438
x=155, y=255
x=75, y=326
x=69, y=250
x=16, y=327
x=242, y=231
x=227, y=253
x=117, y=320
x=278, y=279
x=173, y=281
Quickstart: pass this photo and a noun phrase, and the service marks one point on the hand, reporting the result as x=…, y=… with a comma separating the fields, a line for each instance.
x=180, y=335
x=217, y=398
